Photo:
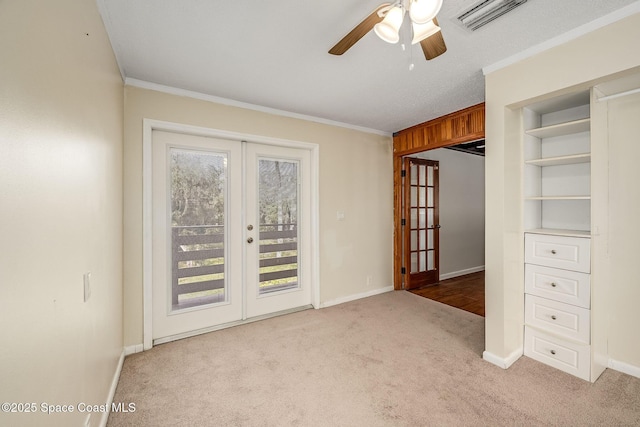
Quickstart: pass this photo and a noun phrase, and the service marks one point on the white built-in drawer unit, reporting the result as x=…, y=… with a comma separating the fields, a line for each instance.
x=559, y=318
x=566, y=286
x=557, y=312
x=569, y=253
x=568, y=356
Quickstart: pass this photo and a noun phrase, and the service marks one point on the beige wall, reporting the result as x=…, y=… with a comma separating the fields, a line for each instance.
x=578, y=64
x=61, y=108
x=355, y=177
x=624, y=174
x=461, y=210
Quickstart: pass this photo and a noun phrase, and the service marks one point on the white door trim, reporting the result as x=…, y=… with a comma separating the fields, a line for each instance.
x=148, y=126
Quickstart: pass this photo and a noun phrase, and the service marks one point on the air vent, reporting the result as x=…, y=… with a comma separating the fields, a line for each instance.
x=486, y=11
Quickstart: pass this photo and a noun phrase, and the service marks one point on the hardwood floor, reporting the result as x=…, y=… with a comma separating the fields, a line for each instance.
x=464, y=292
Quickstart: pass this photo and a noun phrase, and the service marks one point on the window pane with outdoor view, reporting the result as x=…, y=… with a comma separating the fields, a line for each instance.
x=278, y=211
x=198, y=191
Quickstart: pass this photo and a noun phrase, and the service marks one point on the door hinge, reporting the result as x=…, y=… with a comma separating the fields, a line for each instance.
x=403, y=173
x=403, y=270
x=403, y=221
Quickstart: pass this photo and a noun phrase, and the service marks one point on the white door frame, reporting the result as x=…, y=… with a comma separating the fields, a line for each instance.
x=148, y=126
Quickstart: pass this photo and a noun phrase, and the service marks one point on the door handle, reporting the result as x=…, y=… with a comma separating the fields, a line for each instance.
x=250, y=240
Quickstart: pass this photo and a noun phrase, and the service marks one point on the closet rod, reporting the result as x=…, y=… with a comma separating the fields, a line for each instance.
x=618, y=95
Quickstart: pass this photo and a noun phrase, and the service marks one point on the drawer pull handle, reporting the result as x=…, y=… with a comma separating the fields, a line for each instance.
x=553, y=317
x=553, y=352
x=553, y=284
x=553, y=251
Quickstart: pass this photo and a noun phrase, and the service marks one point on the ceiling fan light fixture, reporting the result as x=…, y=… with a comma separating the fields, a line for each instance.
x=388, y=30
x=423, y=11
x=423, y=31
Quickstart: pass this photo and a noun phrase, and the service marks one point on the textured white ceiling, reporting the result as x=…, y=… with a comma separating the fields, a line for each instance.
x=274, y=54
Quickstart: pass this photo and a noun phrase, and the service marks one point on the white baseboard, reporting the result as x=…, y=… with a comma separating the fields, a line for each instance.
x=505, y=363
x=500, y=362
x=625, y=368
x=131, y=349
x=112, y=390
x=354, y=297
x=461, y=272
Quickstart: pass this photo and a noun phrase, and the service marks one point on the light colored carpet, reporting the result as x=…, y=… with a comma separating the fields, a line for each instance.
x=395, y=359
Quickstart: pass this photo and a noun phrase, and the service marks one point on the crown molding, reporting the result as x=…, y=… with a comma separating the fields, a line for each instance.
x=233, y=103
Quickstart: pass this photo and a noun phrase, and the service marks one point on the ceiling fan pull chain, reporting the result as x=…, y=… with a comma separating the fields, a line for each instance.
x=408, y=34
x=411, y=64
x=403, y=34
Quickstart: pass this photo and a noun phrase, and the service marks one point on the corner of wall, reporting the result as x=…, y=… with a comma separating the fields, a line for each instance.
x=502, y=362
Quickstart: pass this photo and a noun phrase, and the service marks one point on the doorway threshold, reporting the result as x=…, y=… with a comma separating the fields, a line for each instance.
x=189, y=334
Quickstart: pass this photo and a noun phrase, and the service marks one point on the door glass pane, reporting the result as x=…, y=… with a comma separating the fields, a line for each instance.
x=413, y=201
x=423, y=240
x=414, y=262
x=422, y=175
x=278, y=216
x=430, y=199
x=430, y=261
x=430, y=176
x=414, y=174
x=414, y=240
x=198, y=190
x=430, y=217
x=414, y=218
x=430, y=239
x=422, y=197
x=423, y=263
x=423, y=218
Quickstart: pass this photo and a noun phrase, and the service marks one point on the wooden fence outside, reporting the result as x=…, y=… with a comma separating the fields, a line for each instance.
x=198, y=260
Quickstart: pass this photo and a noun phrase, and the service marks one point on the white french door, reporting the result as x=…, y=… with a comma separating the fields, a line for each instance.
x=278, y=218
x=231, y=232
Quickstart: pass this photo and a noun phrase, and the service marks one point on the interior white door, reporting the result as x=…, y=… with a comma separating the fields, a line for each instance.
x=197, y=247
x=231, y=232
x=278, y=232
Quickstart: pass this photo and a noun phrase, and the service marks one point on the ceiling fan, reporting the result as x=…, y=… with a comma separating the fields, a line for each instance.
x=387, y=19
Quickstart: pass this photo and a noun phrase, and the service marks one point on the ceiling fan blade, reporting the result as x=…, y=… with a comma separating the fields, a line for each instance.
x=358, y=32
x=433, y=46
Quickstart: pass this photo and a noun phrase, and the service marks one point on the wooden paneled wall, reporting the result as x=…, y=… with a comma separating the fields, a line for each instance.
x=456, y=128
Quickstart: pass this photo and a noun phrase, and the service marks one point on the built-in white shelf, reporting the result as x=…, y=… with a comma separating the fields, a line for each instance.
x=559, y=198
x=561, y=160
x=566, y=128
x=559, y=232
